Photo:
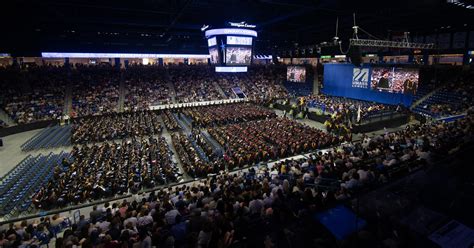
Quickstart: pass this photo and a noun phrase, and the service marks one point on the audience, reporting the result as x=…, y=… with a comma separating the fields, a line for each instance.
x=38, y=93
x=115, y=126
x=261, y=82
x=95, y=90
x=193, y=83
x=170, y=121
x=272, y=204
x=255, y=141
x=226, y=114
x=453, y=90
x=32, y=94
x=108, y=169
x=193, y=163
x=145, y=86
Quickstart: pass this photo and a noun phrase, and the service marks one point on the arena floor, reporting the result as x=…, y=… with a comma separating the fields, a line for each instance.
x=11, y=154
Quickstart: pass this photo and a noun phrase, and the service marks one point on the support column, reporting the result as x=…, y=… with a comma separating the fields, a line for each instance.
x=315, y=81
x=426, y=58
x=410, y=58
x=117, y=62
x=465, y=58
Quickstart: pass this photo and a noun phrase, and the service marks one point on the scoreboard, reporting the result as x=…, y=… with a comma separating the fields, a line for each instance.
x=230, y=47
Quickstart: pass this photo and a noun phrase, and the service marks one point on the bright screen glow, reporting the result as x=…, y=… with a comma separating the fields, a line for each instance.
x=212, y=42
x=296, y=74
x=121, y=55
x=227, y=31
x=238, y=55
x=394, y=80
x=236, y=40
x=214, y=55
x=231, y=69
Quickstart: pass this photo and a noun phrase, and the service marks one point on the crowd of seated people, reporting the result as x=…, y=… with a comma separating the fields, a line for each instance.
x=193, y=164
x=109, y=169
x=95, y=89
x=32, y=94
x=208, y=149
x=268, y=206
x=145, y=86
x=372, y=158
x=223, y=211
x=267, y=82
x=261, y=82
x=227, y=114
x=255, y=141
x=170, y=121
x=115, y=126
x=193, y=83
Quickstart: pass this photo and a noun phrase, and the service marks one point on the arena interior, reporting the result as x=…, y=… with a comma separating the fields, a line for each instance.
x=263, y=123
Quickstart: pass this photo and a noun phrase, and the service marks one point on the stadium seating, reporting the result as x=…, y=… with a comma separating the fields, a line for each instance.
x=95, y=90
x=146, y=86
x=444, y=103
x=53, y=136
x=18, y=185
x=32, y=94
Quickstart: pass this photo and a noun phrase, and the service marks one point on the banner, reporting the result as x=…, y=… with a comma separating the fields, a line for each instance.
x=346, y=80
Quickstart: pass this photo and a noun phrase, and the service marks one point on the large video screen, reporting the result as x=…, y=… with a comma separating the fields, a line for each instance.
x=212, y=41
x=236, y=40
x=214, y=55
x=238, y=55
x=395, y=80
x=296, y=74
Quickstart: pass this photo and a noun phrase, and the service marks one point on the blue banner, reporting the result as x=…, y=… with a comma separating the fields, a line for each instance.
x=346, y=80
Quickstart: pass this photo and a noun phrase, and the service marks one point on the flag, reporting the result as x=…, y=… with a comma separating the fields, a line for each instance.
x=358, y=114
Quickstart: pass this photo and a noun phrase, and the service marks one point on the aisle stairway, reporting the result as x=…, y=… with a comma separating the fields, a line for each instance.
x=68, y=99
x=170, y=86
x=122, y=92
x=219, y=151
x=219, y=89
x=6, y=118
x=185, y=124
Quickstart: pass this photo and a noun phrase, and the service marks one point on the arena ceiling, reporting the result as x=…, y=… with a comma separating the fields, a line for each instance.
x=174, y=26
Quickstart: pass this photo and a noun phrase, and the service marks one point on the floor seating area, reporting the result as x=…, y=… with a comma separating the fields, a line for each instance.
x=18, y=185
x=53, y=136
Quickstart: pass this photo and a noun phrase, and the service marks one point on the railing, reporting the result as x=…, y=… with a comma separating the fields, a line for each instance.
x=195, y=104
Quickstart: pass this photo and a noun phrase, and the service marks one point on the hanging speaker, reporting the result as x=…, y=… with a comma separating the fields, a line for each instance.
x=354, y=55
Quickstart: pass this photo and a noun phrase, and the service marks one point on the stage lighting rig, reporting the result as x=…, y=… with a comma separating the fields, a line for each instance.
x=390, y=44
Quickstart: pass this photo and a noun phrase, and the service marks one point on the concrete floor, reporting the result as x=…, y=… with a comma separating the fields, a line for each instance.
x=11, y=154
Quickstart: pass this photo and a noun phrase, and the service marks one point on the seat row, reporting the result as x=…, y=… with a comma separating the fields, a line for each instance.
x=49, y=137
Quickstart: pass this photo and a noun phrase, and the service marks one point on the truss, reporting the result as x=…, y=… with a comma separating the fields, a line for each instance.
x=390, y=44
